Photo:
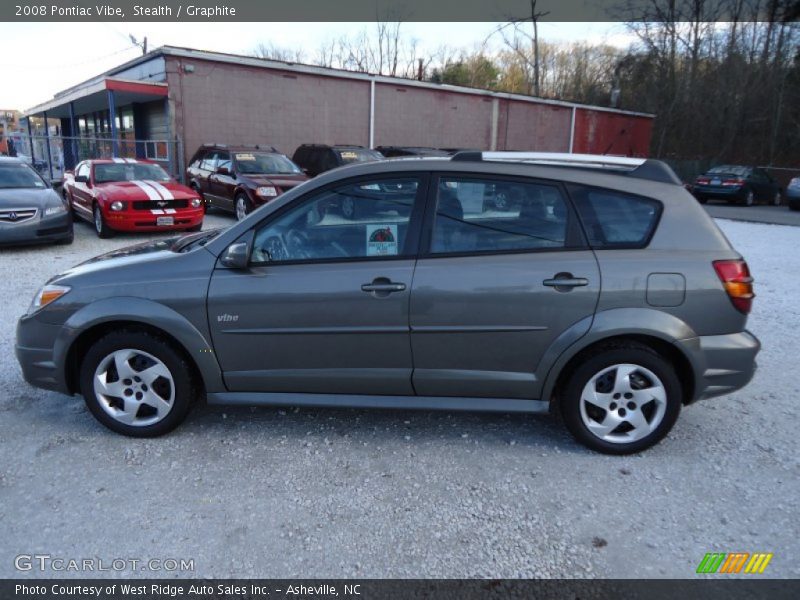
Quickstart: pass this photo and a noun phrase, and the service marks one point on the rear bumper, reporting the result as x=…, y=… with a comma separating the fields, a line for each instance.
x=720, y=193
x=723, y=363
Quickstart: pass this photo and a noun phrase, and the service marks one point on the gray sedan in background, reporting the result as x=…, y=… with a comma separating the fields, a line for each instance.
x=31, y=212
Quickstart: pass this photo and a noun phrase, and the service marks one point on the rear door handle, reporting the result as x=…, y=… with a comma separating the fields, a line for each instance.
x=571, y=282
x=564, y=282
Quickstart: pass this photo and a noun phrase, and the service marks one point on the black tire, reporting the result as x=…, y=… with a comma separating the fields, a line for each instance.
x=701, y=199
x=184, y=386
x=101, y=228
x=66, y=241
x=777, y=199
x=594, y=363
x=241, y=198
x=749, y=198
x=794, y=205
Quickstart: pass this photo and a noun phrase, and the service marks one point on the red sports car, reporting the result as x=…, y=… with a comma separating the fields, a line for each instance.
x=126, y=194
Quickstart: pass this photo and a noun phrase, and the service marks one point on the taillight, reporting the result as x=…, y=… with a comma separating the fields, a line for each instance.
x=731, y=182
x=735, y=277
x=703, y=180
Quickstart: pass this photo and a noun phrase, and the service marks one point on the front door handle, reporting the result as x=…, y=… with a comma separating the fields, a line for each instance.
x=381, y=286
x=564, y=282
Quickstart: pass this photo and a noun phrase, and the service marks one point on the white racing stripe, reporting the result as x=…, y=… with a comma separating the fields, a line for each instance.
x=156, y=211
x=169, y=211
x=151, y=192
x=165, y=193
x=118, y=160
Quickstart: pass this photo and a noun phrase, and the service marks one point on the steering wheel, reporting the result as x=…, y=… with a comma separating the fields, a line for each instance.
x=273, y=249
x=297, y=244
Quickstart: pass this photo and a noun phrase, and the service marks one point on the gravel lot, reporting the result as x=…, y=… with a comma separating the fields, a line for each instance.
x=340, y=493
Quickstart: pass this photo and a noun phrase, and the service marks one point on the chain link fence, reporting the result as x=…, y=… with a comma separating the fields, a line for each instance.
x=52, y=156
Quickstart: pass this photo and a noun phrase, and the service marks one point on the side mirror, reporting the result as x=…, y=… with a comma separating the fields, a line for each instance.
x=236, y=256
x=304, y=170
x=81, y=179
x=223, y=171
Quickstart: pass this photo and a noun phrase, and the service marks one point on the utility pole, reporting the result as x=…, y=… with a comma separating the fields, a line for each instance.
x=142, y=44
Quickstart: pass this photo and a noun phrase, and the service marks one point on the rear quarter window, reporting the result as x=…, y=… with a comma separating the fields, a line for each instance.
x=615, y=219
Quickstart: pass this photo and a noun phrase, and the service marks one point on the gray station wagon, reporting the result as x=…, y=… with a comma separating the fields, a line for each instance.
x=603, y=292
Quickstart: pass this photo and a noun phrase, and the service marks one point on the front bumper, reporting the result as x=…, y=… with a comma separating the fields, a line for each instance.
x=722, y=363
x=145, y=220
x=39, y=230
x=35, y=353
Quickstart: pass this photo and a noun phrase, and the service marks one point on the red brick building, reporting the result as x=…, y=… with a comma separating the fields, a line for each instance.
x=195, y=97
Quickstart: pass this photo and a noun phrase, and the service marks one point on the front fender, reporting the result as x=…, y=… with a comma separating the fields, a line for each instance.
x=616, y=323
x=146, y=312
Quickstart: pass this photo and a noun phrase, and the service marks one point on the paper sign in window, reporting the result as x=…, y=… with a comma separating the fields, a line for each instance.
x=382, y=240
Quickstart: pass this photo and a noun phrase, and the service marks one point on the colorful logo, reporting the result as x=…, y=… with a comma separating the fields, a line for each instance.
x=734, y=562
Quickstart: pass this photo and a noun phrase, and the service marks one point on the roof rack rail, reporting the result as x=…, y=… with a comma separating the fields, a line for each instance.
x=640, y=168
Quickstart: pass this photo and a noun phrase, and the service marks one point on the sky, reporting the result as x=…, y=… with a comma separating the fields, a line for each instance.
x=39, y=59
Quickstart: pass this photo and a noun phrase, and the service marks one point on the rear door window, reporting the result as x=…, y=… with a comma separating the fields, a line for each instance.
x=615, y=219
x=495, y=216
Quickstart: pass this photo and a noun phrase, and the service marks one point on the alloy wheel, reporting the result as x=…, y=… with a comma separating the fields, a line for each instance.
x=241, y=208
x=134, y=387
x=98, y=219
x=623, y=403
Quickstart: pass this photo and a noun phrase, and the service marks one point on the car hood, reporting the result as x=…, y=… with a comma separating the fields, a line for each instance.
x=284, y=182
x=27, y=198
x=145, y=190
x=123, y=257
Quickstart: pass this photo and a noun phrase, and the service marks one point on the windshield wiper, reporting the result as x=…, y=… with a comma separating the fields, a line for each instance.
x=190, y=242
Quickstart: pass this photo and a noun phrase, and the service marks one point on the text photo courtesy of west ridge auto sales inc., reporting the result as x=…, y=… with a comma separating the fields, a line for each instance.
x=395, y=299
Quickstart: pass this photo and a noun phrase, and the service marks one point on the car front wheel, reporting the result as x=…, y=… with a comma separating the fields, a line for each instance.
x=136, y=384
x=776, y=200
x=622, y=400
x=100, y=225
x=749, y=198
x=243, y=206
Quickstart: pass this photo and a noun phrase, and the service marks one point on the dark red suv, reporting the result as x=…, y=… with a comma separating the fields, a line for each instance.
x=241, y=178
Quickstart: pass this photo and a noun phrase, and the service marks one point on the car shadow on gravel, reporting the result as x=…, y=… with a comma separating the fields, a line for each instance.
x=386, y=425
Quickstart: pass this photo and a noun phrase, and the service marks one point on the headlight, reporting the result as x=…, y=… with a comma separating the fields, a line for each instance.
x=47, y=295
x=54, y=210
x=195, y=202
x=117, y=205
x=267, y=191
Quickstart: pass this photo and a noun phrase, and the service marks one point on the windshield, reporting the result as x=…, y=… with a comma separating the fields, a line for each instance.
x=730, y=169
x=352, y=155
x=262, y=163
x=18, y=175
x=106, y=172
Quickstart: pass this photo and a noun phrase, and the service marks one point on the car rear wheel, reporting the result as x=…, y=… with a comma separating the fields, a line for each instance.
x=243, y=206
x=621, y=400
x=136, y=384
x=776, y=200
x=100, y=225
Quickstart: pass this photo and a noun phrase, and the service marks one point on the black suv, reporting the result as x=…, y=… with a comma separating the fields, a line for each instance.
x=318, y=158
x=241, y=178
